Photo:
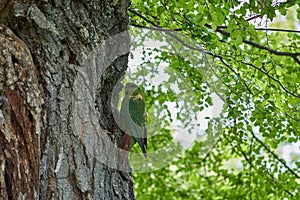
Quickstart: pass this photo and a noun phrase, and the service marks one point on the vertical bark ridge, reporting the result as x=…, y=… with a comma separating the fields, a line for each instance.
x=21, y=103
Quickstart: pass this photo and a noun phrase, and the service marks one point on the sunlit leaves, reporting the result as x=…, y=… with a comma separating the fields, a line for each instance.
x=260, y=88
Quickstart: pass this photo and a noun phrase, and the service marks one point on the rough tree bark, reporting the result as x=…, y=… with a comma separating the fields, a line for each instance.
x=59, y=63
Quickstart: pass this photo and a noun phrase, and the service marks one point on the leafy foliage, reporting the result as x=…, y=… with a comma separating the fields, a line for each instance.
x=256, y=64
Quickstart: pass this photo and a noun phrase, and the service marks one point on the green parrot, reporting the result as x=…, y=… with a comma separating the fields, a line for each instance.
x=133, y=119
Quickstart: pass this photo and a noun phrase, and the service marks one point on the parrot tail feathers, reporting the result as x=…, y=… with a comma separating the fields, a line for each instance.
x=145, y=154
x=144, y=151
x=143, y=144
x=145, y=137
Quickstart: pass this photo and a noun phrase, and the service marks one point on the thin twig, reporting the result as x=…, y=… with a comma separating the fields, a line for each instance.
x=274, y=79
x=209, y=26
x=274, y=155
x=277, y=30
x=272, y=51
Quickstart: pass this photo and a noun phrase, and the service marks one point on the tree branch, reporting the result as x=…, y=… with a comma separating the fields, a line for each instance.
x=219, y=29
x=274, y=79
x=253, y=17
x=222, y=60
x=277, y=30
x=143, y=17
x=272, y=51
x=274, y=155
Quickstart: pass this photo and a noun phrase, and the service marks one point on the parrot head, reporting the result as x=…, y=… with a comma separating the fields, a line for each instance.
x=132, y=89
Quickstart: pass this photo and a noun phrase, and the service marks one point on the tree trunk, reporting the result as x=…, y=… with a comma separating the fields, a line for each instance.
x=60, y=61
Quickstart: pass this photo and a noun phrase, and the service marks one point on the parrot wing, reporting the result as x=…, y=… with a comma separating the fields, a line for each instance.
x=137, y=115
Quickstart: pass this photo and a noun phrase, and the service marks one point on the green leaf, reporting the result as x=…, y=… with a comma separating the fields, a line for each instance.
x=160, y=10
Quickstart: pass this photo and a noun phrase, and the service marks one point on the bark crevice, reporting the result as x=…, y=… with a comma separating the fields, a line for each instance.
x=51, y=103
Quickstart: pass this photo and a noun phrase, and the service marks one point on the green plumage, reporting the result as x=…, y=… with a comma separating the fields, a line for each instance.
x=133, y=117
